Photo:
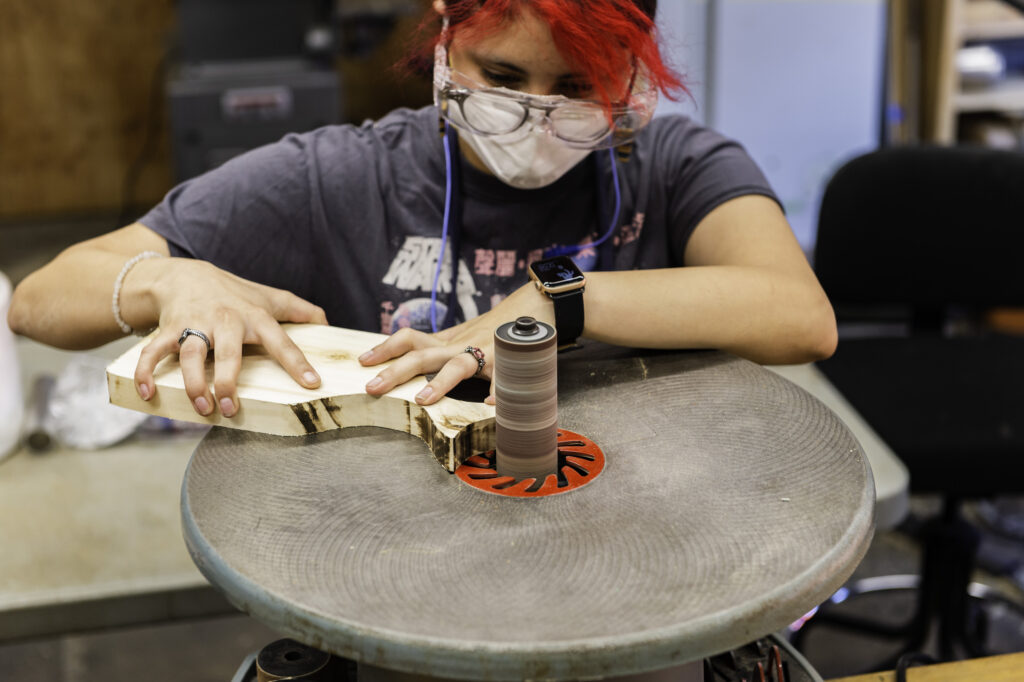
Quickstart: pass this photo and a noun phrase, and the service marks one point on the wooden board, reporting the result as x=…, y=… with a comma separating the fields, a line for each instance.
x=1005, y=668
x=271, y=402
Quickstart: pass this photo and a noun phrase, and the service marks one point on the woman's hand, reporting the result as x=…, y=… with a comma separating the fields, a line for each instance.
x=231, y=312
x=444, y=352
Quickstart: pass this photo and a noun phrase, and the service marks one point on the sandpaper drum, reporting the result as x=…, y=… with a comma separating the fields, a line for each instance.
x=730, y=504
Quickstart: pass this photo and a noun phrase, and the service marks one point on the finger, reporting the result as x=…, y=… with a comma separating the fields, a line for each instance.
x=157, y=349
x=304, y=311
x=398, y=344
x=192, y=358
x=227, y=362
x=287, y=307
x=412, y=364
x=284, y=350
x=490, y=398
x=461, y=367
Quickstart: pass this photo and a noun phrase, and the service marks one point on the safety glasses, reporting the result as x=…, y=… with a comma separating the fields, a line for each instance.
x=577, y=123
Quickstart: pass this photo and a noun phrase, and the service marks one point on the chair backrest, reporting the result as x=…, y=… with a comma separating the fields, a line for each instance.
x=924, y=227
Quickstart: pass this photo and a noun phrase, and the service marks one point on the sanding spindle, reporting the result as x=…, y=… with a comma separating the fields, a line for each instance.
x=526, y=399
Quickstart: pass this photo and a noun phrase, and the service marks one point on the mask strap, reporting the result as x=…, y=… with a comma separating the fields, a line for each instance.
x=444, y=35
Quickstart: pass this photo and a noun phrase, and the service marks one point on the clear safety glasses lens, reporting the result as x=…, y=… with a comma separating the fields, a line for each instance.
x=497, y=111
x=491, y=113
x=583, y=123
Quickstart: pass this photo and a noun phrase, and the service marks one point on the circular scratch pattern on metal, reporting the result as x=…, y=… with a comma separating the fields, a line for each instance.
x=579, y=462
x=730, y=504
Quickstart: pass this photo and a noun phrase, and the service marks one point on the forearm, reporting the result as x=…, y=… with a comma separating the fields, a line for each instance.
x=759, y=313
x=67, y=303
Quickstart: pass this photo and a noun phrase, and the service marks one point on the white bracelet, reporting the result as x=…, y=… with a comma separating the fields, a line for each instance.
x=115, y=304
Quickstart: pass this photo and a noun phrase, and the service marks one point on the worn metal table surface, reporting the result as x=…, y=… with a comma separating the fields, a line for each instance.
x=731, y=503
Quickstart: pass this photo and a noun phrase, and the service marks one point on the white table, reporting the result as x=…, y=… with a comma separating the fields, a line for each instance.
x=93, y=538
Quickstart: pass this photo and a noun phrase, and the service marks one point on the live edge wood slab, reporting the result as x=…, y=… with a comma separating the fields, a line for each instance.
x=271, y=402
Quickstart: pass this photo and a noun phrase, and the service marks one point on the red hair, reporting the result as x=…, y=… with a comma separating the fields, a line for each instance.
x=603, y=39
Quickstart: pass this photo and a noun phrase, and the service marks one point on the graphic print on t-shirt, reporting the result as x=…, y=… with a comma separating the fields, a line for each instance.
x=412, y=270
x=494, y=274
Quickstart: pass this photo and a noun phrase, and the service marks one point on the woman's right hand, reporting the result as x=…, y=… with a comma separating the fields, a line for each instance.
x=230, y=311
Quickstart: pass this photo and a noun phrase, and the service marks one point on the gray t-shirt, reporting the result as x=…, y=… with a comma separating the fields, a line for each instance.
x=350, y=217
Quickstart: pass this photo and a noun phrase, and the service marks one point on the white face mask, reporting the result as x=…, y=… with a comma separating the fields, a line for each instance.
x=532, y=155
x=527, y=158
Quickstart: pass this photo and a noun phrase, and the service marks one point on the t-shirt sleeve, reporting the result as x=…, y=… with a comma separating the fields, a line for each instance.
x=705, y=169
x=250, y=216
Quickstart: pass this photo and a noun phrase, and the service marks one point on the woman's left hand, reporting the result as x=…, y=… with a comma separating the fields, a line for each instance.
x=445, y=352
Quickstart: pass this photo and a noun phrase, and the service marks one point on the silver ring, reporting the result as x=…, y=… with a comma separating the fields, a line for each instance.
x=478, y=355
x=194, y=332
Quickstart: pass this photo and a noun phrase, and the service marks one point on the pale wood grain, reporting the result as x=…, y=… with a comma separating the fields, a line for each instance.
x=271, y=402
x=1006, y=668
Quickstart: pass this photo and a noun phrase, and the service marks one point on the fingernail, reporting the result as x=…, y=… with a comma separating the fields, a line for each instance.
x=144, y=391
x=424, y=394
x=202, y=405
x=366, y=356
x=374, y=382
x=311, y=377
x=227, y=406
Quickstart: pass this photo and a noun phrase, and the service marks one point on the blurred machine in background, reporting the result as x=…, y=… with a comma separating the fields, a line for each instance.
x=247, y=72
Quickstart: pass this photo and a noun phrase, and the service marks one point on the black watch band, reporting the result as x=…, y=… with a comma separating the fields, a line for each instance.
x=568, y=315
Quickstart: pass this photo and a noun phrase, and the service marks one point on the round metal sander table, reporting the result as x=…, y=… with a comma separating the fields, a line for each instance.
x=730, y=504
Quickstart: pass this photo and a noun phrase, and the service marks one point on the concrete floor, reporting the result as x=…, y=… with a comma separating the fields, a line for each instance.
x=212, y=649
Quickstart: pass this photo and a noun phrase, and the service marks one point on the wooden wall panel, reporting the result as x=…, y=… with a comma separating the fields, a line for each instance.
x=75, y=79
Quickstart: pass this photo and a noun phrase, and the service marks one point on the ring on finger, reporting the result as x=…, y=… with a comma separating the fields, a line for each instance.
x=188, y=331
x=478, y=355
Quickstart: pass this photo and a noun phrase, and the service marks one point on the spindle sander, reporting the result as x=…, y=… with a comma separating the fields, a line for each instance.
x=720, y=503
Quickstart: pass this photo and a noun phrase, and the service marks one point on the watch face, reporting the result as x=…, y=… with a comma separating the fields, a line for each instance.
x=557, y=272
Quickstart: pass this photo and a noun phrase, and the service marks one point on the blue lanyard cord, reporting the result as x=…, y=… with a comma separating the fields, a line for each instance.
x=444, y=229
x=453, y=215
x=571, y=250
x=455, y=233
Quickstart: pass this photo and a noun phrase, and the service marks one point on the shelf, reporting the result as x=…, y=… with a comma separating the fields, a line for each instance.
x=1007, y=95
x=990, y=20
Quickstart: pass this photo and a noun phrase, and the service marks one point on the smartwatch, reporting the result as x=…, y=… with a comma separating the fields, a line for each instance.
x=563, y=283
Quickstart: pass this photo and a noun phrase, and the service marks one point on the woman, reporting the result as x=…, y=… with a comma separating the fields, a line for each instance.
x=546, y=149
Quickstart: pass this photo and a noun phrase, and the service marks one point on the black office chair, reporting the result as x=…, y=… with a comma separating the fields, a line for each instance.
x=914, y=246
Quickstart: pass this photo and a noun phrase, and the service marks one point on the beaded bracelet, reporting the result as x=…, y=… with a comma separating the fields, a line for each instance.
x=115, y=305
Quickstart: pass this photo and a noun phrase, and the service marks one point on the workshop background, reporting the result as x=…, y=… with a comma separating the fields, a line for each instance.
x=105, y=105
